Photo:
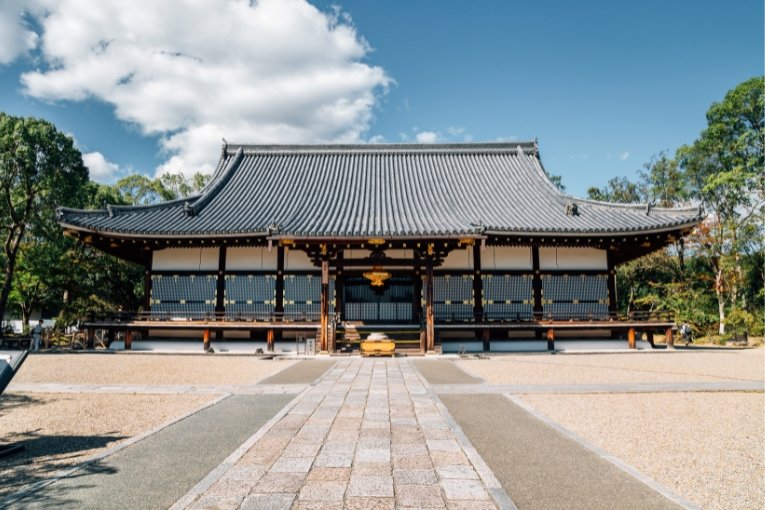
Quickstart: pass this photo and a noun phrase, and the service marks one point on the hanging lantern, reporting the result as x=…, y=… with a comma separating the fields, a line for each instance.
x=377, y=276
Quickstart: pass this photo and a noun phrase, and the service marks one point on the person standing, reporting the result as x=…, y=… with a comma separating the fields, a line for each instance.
x=37, y=332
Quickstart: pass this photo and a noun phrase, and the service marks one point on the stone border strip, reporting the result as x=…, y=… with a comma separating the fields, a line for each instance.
x=603, y=454
x=232, y=459
x=672, y=387
x=498, y=494
x=160, y=389
x=30, y=489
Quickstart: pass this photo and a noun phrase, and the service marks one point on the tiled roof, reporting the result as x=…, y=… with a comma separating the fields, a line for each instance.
x=361, y=191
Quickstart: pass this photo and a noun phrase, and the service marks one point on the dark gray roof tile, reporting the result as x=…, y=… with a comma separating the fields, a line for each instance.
x=365, y=191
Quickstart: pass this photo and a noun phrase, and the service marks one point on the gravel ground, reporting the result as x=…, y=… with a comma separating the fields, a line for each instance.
x=146, y=369
x=60, y=430
x=708, y=447
x=680, y=366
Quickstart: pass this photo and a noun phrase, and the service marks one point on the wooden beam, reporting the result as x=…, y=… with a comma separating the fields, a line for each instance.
x=206, y=340
x=550, y=339
x=279, y=286
x=631, y=338
x=270, y=334
x=430, y=330
x=91, y=339
x=670, y=338
x=611, y=282
x=128, y=339
x=340, y=290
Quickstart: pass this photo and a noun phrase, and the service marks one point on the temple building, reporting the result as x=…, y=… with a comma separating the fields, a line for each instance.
x=435, y=245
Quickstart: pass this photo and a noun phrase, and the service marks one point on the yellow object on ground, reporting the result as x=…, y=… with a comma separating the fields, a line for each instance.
x=378, y=348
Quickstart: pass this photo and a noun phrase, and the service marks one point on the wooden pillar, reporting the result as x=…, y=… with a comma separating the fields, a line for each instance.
x=147, y=290
x=206, y=340
x=339, y=288
x=550, y=339
x=649, y=337
x=417, y=289
x=128, y=339
x=670, y=338
x=270, y=340
x=611, y=284
x=536, y=286
x=109, y=337
x=91, y=339
x=430, y=330
x=220, y=290
x=631, y=338
x=478, y=297
x=326, y=344
x=279, y=287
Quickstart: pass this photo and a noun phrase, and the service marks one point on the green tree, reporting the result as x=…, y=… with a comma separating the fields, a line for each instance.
x=618, y=189
x=724, y=167
x=39, y=169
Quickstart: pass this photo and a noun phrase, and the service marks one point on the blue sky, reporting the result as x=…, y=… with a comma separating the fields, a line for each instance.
x=603, y=85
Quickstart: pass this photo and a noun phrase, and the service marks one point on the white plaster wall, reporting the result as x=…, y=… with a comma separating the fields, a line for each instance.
x=572, y=258
x=356, y=254
x=506, y=257
x=185, y=259
x=245, y=258
x=461, y=258
x=297, y=260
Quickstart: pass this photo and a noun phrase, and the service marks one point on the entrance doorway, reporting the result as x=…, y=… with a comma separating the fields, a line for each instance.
x=391, y=303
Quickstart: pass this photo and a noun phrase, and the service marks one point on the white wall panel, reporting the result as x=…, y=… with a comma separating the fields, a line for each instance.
x=297, y=260
x=572, y=258
x=461, y=258
x=185, y=259
x=254, y=258
x=506, y=257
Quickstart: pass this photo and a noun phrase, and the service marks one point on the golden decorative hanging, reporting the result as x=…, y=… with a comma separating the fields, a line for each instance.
x=376, y=242
x=377, y=276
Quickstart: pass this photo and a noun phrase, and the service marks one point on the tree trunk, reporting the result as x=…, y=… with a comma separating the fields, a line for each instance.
x=720, y=300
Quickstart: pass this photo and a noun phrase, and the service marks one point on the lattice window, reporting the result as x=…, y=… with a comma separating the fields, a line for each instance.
x=508, y=297
x=453, y=297
x=575, y=296
x=191, y=296
x=302, y=296
x=393, y=302
x=250, y=296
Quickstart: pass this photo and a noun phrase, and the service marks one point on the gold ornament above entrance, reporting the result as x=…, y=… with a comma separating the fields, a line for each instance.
x=377, y=276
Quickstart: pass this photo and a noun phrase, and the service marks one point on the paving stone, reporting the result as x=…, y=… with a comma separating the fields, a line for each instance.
x=292, y=465
x=464, y=489
x=230, y=488
x=217, y=503
x=290, y=422
x=371, y=469
x=433, y=434
x=323, y=490
x=322, y=473
x=470, y=505
x=372, y=455
x=317, y=505
x=338, y=447
x=268, y=502
x=414, y=476
x=279, y=482
x=419, y=496
x=245, y=472
x=462, y=472
x=333, y=460
x=371, y=486
x=301, y=450
x=443, y=445
x=449, y=458
x=412, y=461
x=409, y=449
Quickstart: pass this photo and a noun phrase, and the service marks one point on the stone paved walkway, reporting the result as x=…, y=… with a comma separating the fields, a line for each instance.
x=369, y=435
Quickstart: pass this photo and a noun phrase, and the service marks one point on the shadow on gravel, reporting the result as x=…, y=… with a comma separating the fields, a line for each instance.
x=43, y=456
x=60, y=495
x=10, y=401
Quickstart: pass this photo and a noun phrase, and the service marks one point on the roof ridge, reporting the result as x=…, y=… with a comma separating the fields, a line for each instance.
x=510, y=147
x=192, y=208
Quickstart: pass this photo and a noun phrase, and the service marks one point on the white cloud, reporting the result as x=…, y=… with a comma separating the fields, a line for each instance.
x=101, y=170
x=195, y=72
x=16, y=38
x=426, y=137
x=624, y=156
